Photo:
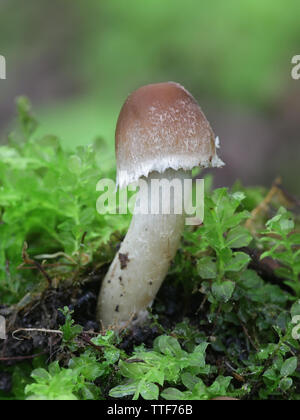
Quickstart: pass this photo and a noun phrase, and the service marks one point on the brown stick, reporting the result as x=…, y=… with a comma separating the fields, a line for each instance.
x=263, y=205
x=21, y=358
x=28, y=260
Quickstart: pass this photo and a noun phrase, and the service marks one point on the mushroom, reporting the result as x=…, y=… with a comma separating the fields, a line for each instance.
x=161, y=134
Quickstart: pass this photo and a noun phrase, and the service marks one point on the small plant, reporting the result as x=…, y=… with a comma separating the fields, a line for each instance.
x=282, y=244
x=76, y=380
x=197, y=390
x=53, y=192
x=72, y=383
x=275, y=364
x=147, y=371
x=69, y=330
x=216, y=243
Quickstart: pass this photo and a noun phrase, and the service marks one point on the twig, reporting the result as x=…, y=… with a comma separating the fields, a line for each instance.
x=90, y=343
x=83, y=238
x=263, y=206
x=28, y=260
x=249, y=337
x=32, y=267
x=56, y=255
x=41, y=330
x=21, y=358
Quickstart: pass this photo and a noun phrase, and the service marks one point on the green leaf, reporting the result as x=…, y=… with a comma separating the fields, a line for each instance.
x=167, y=345
x=189, y=380
x=238, y=237
x=107, y=339
x=123, y=390
x=207, y=268
x=132, y=370
x=285, y=384
x=149, y=391
x=223, y=291
x=173, y=394
x=281, y=223
x=75, y=164
x=294, y=239
x=265, y=352
x=40, y=375
x=295, y=309
x=271, y=374
x=289, y=366
x=27, y=121
x=238, y=262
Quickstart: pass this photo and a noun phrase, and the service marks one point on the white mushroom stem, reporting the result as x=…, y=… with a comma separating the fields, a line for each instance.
x=143, y=260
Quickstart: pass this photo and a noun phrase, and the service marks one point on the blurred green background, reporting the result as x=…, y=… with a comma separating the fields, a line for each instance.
x=78, y=60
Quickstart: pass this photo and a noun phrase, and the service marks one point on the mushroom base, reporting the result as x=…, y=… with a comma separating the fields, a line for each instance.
x=144, y=258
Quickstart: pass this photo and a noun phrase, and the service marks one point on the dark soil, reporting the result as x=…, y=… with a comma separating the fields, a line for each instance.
x=43, y=313
x=170, y=305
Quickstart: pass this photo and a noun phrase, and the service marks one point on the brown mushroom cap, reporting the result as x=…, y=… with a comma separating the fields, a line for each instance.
x=161, y=126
